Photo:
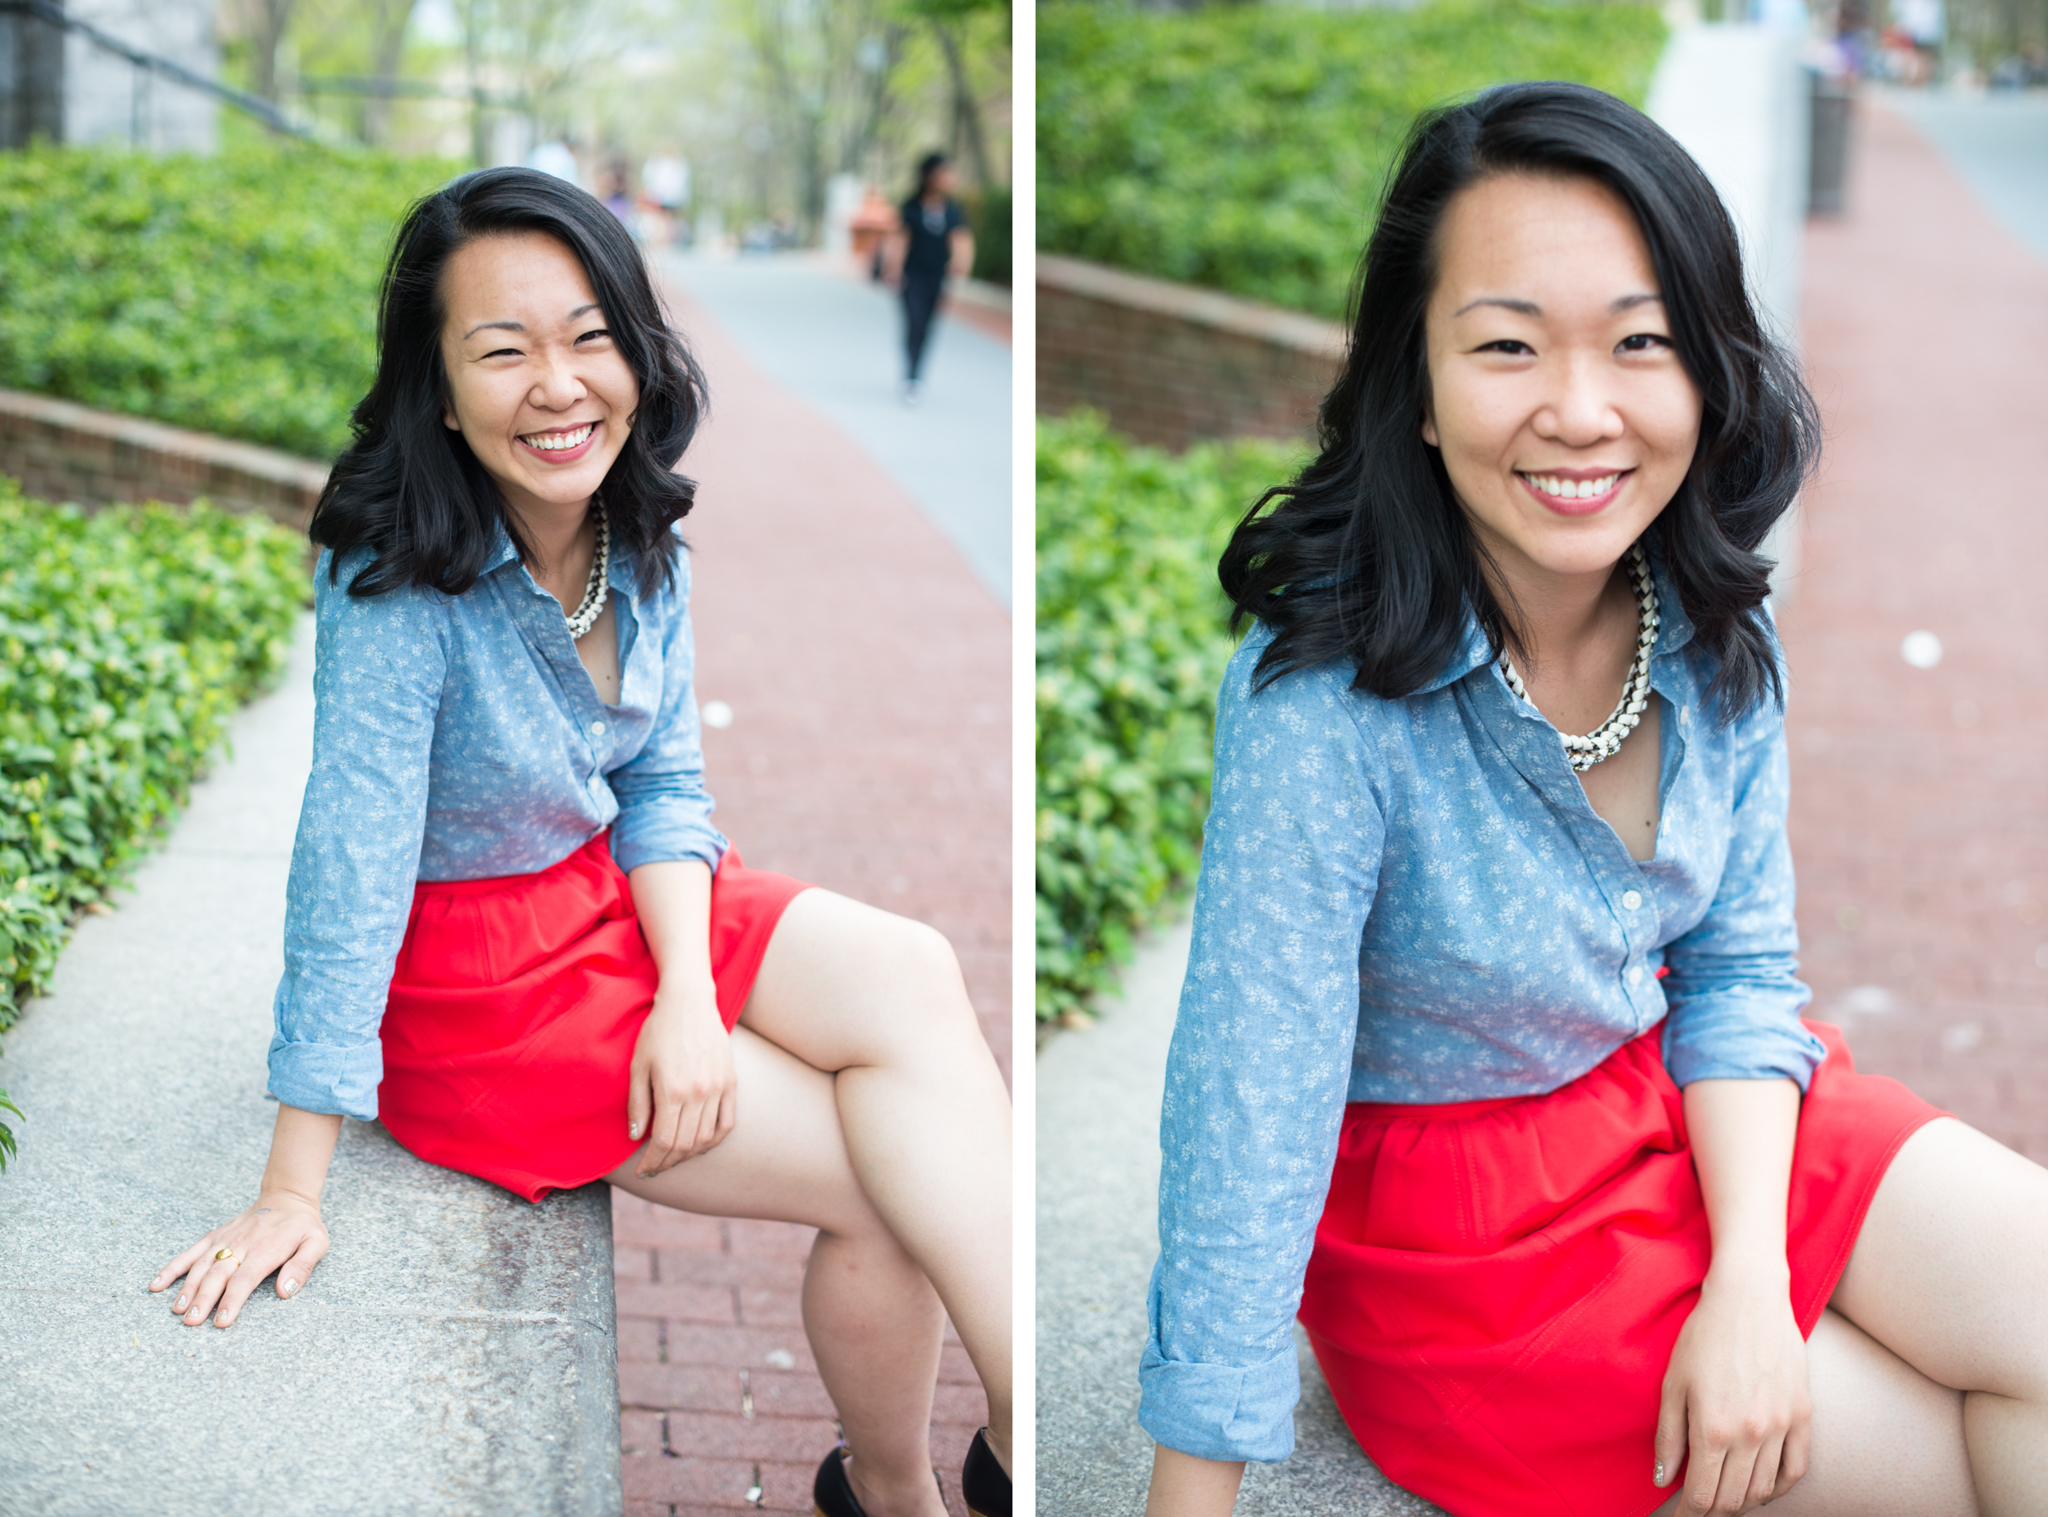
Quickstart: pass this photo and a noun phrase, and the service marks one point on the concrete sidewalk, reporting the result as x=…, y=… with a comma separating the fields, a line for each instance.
x=451, y=1355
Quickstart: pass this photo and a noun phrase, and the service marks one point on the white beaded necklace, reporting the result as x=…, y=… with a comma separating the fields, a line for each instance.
x=1603, y=741
x=585, y=616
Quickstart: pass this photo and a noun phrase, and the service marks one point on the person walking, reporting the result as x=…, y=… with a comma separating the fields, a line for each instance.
x=932, y=241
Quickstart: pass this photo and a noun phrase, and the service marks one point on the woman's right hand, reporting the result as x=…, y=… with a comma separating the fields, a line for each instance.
x=280, y=1231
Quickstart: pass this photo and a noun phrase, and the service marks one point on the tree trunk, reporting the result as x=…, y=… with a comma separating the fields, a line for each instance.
x=393, y=16
x=966, y=109
x=272, y=19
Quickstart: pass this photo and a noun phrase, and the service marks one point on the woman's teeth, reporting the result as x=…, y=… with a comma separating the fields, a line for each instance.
x=556, y=442
x=1572, y=489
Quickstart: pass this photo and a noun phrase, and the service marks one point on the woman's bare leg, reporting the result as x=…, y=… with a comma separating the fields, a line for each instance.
x=1950, y=1273
x=877, y=1000
x=1887, y=1441
x=872, y=1318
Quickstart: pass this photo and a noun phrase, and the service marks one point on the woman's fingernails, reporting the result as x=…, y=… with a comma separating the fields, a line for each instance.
x=286, y=1287
x=1660, y=1472
x=180, y=1306
x=633, y=1130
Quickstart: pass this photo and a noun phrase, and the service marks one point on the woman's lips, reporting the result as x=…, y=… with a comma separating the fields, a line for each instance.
x=1573, y=504
x=561, y=455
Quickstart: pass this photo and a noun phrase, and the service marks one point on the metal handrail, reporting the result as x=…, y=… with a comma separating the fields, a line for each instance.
x=255, y=105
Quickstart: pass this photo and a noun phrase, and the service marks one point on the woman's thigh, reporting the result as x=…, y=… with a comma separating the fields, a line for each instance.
x=784, y=1160
x=1950, y=1270
x=845, y=984
x=1887, y=1441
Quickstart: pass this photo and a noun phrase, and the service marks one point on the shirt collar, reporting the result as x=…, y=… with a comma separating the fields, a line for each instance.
x=1674, y=630
x=623, y=579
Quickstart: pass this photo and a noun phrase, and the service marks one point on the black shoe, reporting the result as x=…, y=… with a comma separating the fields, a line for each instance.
x=832, y=1493
x=982, y=1480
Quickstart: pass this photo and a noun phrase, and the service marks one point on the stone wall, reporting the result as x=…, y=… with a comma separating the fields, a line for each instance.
x=1171, y=364
x=67, y=452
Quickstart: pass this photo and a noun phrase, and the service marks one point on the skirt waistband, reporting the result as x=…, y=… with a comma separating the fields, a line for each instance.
x=1430, y=1111
x=601, y=841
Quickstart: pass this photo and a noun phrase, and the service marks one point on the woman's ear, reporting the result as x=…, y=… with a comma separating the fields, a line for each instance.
x=1429, y=423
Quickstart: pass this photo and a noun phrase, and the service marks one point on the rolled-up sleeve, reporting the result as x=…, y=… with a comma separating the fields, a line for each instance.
x=379, y=666
x=1734, y=991
x=1261, y=1056
x=664, y=809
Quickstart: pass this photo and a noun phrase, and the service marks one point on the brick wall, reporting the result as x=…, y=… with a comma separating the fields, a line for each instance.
x=1171, y=364
x=67, y=452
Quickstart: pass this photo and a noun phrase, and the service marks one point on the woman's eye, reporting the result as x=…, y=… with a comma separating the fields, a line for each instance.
x=600, y=332
x=1643, y=342
x=1510, y=345
x=502, y=353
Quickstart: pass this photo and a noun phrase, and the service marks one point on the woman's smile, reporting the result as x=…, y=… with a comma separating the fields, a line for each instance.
x=562, y=445
x=1574, y=492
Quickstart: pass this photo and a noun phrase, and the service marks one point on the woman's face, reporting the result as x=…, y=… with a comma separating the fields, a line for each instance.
x=536, y=386
x=1565, y=420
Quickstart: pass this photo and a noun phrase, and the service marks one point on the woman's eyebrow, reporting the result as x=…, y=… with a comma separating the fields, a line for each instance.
x=1530, y=308
x=485, y=326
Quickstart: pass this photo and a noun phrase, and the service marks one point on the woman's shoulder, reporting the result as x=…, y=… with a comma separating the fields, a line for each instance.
x=1300, y=700
x=402, y=608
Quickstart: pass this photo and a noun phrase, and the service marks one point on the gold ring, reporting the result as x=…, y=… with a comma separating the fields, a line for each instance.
x=228, y=1254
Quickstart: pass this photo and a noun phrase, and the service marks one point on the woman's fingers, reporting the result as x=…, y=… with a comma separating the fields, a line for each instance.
x=1670, y=1447
x=639, y=1100
x=1763, y=1477
x=294, y=1272
x=182, y=1265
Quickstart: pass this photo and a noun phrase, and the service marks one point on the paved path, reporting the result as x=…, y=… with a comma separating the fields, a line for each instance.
x=867, y=669
x=1997, y=143
x=1920, y=822
x=835, y=341
x=1919, y=818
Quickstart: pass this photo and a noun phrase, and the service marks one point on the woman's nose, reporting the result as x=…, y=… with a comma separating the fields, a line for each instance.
x=557, y=385
x=1580, y=410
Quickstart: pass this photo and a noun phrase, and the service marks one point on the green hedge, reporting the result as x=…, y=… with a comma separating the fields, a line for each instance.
x=989, y=211
x=234, y=294
x=1132, y=640
x=127, y=639
x=1243, y=147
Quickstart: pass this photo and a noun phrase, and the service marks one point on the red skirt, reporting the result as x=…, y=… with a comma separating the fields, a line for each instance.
x=1496, y=1286
x=515, y=1005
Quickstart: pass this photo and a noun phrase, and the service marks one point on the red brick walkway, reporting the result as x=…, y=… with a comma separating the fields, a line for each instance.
x=1919, y=810
x=868, y=674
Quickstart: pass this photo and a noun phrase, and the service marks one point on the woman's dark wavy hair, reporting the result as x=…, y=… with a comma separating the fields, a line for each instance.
x=1367, y=556
x=411, y=488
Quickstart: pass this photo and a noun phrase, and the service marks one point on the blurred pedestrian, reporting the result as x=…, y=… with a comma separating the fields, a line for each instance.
x=932, y=241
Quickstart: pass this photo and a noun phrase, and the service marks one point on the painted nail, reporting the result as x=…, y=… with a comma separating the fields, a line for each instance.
x=286, y=1287
x=633, y=1130
x=181, y=1304
x=1660, y=1472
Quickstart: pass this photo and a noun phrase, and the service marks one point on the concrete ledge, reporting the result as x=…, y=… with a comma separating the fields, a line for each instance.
x=454, y=1353
x=1098, y=1183
x=60, y=450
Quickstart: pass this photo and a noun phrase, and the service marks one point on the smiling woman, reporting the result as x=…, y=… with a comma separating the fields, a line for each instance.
x=1489, y=1061
x=513, y=934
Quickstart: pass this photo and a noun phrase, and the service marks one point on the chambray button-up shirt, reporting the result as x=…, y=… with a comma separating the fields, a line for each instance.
x=1412, y=900
x=460, y=738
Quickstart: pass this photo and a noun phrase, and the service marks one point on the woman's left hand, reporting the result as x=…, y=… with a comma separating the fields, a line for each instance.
x=683, y=1095
x=1735, y=1395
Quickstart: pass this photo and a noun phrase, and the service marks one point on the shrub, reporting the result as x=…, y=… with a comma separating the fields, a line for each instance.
x=127, y=639
x=989, y=211
x=1243, y=147
x=234, y=294
x=1132, y=640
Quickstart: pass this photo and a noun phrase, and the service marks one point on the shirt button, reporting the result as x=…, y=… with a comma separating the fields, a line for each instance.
x=1632, y=900
x=597, y=729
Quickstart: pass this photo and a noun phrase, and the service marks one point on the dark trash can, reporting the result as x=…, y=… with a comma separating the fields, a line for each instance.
x=1829, y=163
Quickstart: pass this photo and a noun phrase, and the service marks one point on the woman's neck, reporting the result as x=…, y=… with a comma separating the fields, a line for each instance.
x=1564, y=619
x=553, y=533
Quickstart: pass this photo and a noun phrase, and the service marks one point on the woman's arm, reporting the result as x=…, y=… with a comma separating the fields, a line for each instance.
x=1184, y=1486
x=1735, y=1394
x=281, y=1230
x=960, y=247
x=682, y=1075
